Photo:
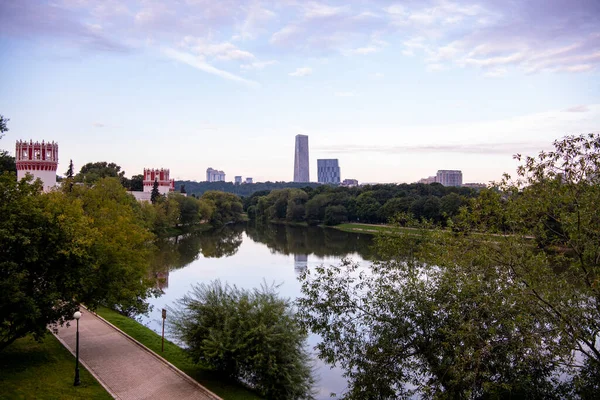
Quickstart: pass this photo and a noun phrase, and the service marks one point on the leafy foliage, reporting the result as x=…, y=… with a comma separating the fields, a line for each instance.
x=251, y=336
x=226, y=208
x=369, y=204
x=466, y=315
x=60, y=249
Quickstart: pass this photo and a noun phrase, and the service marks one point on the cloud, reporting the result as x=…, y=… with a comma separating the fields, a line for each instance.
x=224, y=51
x=495, y=35
x=474, y=148
x=496, y=73
x=303, y=71
x=377, y=75
x=28, y=18
x=534, y=36
x=319, y=10
x=258, y=65
x=578, y=109
x=201, y=65
x=98, y=125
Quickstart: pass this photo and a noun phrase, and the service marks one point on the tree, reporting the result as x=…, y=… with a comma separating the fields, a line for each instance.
x=481, y=313
x=62, y=249
x=155, y=194
x=92, y=172
x=7, y=162
x=248, y=335
x=227, y=208
x=3, y=126
x=136, y=184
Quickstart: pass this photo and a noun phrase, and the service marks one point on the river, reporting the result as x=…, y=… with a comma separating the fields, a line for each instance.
x=248, y=256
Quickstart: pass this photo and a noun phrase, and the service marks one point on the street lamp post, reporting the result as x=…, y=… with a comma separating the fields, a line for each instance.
x=77, y=382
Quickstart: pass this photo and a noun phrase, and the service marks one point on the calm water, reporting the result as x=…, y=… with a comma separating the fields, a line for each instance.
x=247, y=256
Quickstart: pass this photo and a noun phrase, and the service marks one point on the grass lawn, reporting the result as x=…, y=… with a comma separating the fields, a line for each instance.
x=32, y=370
x=177, y=356
x=374, y=229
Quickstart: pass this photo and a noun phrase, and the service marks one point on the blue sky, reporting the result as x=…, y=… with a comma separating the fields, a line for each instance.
x=394, y=90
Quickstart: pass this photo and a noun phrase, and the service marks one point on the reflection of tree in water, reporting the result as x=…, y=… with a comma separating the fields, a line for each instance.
x=321, y=242
x=223, y=242
x=177, y=252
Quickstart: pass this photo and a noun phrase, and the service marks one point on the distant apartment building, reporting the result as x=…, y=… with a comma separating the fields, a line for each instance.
x=428, y=180
x=449, y=177
x=328, y=171
x=301, y=171
x=238, y=180
x=213, y=175
x=350, y=182
x=249, y=180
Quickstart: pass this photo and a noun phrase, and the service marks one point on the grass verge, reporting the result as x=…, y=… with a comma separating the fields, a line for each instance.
x=177, y=356
x=32, y=370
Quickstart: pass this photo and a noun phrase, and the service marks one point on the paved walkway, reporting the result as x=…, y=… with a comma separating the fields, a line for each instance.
x=124, y=367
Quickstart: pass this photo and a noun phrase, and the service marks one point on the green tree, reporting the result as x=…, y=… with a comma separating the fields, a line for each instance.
x=248, y=335
x=472, y=315
x=3, y=125
x=136, y=183
x=62, y=249
x=335, y=215
x=155, y=194
x=227, y=208
x=7, y=162
x=93, y=171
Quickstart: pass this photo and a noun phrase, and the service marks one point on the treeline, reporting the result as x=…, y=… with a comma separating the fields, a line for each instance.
x=176, y=210
x=243, y=190
x=369, y=204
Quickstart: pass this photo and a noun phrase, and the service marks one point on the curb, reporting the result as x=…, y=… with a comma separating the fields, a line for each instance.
x=87, y=367
x=167, y=363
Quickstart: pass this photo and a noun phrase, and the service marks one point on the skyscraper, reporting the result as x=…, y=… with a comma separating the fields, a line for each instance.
x=449, y=177
x=301, y=172
x=328, y=171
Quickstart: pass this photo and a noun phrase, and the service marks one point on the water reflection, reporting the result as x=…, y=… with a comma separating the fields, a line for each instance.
x=322, y=242
x=300, y=262
x=247, y=256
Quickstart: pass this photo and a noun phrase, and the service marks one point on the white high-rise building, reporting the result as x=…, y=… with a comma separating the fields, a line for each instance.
x=449, y=177
x=213, y=175
x=39, y=160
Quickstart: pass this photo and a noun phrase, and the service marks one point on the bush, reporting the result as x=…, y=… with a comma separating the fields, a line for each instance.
x=249, y=335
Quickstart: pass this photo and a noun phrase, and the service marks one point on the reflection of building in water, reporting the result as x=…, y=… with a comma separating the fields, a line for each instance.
x=162, y=279
x=300, y=262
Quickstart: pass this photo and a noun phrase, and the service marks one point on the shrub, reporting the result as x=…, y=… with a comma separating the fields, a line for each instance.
x=249, y=335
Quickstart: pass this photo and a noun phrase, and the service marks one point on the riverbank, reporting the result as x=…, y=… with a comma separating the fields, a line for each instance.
x=371, y=229
x=177, y=356
x=45, y=370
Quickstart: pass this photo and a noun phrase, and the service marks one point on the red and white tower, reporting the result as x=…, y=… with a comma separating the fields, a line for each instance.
x=165, y=185
x=39, y=160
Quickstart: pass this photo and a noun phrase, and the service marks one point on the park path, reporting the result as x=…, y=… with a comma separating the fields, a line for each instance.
x=127, y=369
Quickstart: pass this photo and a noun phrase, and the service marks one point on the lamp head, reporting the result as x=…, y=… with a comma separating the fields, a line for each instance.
x=77, y=315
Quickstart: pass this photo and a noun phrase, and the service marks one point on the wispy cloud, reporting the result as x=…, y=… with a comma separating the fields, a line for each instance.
x=98, y=125
x=345, y=94
x=578, y=109
x=201, y=65
x=303, y=71
x=258, y=64
x=474, y=148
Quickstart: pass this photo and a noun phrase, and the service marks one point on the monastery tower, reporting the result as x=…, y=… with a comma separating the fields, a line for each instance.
x=39, y=160
x=165, y=185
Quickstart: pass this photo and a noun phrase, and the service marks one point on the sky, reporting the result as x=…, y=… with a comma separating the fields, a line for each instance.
x=393, y=89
